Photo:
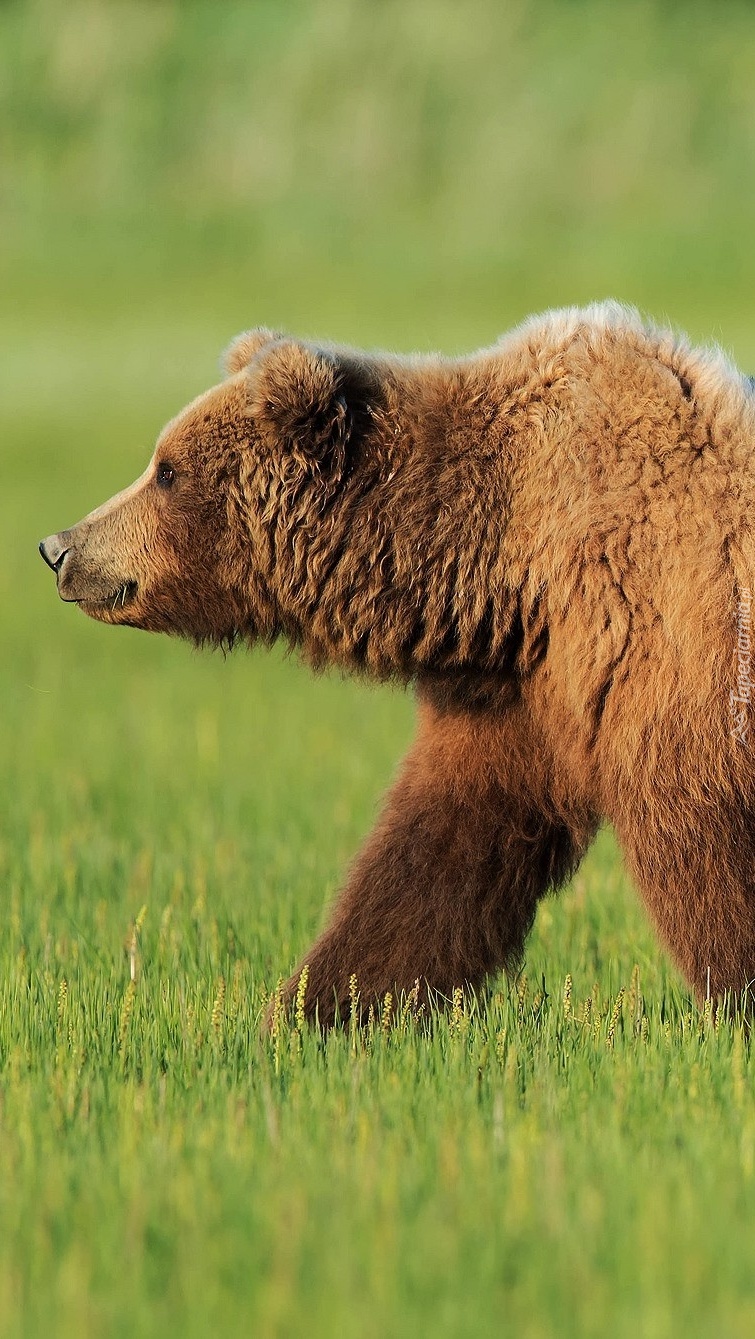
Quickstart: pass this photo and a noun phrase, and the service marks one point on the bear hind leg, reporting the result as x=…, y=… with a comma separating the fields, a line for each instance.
x=700, y=893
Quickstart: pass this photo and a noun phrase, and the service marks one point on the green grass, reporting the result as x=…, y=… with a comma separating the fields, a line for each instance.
x=392, y=174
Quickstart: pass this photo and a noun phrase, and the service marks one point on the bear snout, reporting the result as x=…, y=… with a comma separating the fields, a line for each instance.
x=57, y=551
x=76, y=583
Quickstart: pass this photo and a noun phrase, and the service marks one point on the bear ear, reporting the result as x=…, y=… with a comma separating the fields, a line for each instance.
x=298, y=398
x=244, y=347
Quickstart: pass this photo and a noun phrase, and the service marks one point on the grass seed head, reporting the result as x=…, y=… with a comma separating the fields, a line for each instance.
x=218, y=1008
x=62, y=1000
x=277, y=1023
x=301, y=996
x=410, y=1006
x=353, y=998
x=634, y=994
x=127, y=1009
x=457, y=1011
x=615, y=1018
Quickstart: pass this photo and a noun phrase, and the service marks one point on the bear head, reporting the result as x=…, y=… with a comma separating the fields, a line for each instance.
x=195, y=545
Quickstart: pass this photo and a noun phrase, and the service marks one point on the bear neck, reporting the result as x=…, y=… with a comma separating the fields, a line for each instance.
x=396, y=568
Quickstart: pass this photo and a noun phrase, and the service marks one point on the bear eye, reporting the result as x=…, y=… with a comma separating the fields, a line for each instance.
x=165, y=474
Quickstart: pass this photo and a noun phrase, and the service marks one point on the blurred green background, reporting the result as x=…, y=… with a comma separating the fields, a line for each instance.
x=410, y=175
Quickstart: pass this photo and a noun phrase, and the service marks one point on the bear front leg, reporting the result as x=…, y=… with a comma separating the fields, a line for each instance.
x=445, y=889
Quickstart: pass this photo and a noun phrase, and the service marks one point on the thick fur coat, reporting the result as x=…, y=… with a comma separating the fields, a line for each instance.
x=553, y=540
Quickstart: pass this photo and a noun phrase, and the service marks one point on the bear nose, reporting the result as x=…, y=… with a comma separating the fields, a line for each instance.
x=53, y=551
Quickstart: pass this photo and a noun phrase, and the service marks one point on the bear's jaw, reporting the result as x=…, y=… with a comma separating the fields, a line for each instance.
x=111, y=608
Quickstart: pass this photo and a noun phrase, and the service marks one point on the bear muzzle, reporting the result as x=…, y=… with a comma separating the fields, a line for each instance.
x=78, y=585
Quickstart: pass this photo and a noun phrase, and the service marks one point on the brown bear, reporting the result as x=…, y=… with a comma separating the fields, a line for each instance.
x=554, y=540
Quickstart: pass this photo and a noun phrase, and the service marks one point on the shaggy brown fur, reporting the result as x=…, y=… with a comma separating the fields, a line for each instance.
x=553, y=540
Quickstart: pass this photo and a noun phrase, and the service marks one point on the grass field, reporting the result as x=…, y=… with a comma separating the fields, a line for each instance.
x=576, y=1156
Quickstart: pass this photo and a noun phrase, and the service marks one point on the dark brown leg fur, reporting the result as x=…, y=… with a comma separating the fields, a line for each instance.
x=445, y=889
